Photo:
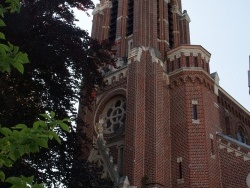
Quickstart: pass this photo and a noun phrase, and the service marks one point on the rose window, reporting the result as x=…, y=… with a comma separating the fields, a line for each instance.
x=115, y=116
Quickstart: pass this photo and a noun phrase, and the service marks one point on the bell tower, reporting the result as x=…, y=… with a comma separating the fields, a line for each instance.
x=160, y=24
x=137, y=137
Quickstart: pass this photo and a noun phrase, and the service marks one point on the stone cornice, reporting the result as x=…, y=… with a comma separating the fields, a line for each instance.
x=234, y=101
x=198, y=69
x=164, y=41
x=193, y=69
x=135, y=54
x=100, y=7
x=187, y=50
x=233, y=146
x=198, y=74
x=116, y=76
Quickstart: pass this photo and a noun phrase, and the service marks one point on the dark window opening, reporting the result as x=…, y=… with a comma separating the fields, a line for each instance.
x=203, y=64
x=207, y=65
x=113, y=19
x=240, y=135
x=187, y=61
x=131, y=45
x=120, y=168
x=179, y=62
x=130, y=17
x=212, y=146
x=180, y=170
x=171, y=27
x=158, y=19
x=195, y=112
x=195, y=61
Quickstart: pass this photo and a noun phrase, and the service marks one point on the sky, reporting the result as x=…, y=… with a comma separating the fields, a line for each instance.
x=222, y=27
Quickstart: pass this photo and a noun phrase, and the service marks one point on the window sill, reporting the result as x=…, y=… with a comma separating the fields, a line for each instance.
x=180, y=181
x=195, y=121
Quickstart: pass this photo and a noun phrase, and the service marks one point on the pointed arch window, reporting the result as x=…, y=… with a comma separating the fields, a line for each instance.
x=241, y=135
x=130, y=17
x=113, y=19
x=171, y=26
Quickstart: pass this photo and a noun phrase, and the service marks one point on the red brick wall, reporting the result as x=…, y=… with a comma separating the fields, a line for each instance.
x=236, y=117
x=144, y=138
x=134, y=131
x=192, y=141
x=159, y=126
x=211, y=120
x=179, y=137
x=234, y=170
x=167, y=137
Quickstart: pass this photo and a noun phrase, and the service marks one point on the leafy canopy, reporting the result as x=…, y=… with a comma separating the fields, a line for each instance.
x=64, y=67
x=10, y=54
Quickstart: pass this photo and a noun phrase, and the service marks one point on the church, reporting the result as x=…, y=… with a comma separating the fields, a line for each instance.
x=163, y=121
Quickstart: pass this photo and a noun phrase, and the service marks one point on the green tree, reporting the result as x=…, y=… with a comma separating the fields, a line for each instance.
x=20, y=140
x=61, y=54
x=10, y=54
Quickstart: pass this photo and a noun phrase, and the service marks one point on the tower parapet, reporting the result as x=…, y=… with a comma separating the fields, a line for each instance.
x=188, y=56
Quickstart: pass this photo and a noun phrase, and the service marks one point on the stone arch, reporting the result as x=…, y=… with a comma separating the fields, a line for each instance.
x=105, y=99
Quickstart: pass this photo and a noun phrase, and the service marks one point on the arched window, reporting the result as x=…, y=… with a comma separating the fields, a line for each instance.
x=114, y=114
x=241, y=135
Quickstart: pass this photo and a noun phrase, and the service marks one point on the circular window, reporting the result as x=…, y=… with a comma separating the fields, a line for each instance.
x=114, y=114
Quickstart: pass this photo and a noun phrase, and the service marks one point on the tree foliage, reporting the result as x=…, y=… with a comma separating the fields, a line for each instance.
x=61, y=55
x=10, y=54
x=64, y=61
x=21, y=140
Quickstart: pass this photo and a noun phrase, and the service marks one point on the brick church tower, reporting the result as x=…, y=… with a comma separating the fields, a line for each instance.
x=160, y=120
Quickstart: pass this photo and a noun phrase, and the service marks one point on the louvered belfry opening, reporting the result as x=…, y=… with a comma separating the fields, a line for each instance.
x=113, y=19
x=158, y=19
x=171, y=26
x=130, y=17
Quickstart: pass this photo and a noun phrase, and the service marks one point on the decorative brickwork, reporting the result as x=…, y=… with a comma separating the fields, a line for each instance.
x=181, y=127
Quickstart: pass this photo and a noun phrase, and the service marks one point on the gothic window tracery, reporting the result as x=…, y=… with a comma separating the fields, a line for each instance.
x=115, y=114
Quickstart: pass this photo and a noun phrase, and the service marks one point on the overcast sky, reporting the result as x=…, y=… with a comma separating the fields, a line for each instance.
x=223, y=28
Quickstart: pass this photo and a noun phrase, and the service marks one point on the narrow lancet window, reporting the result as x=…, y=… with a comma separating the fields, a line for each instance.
x=171, y=27
x=130, y=17
x=113, y=19
x=195, y=112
